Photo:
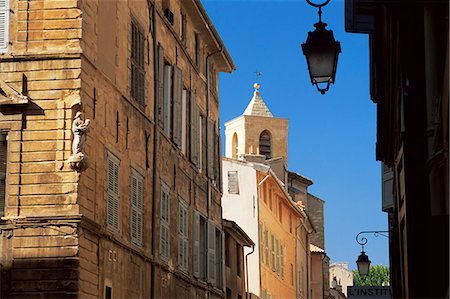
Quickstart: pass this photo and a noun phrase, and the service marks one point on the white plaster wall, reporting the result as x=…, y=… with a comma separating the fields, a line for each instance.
x=242, y=208
x=237, y=126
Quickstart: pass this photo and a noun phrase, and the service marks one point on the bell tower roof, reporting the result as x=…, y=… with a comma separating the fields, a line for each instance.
x=257, y=107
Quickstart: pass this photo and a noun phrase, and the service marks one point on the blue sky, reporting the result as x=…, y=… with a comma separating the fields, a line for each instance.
x=331, y=137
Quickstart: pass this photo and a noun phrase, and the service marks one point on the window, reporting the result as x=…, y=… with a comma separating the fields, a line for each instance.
x=3, y=166
x=183, y=27
x=265, y=144
x=270, y=199
x=233, y=182
x=211, y=253
x=183, y=218
x=108, y=292
x=290, y=223
x=228, y=294
x=227, y=249
x=197, y=50
x=137, y=63
x=177, y=105
x=194, y=117
x=164, y=238
x=113, y=196
x=292, y=274
x=280, y=211
x=136, y=219
x=199, y=246
x=234, y=146
x=220, y=277
x=261, y=243
x=4, y=25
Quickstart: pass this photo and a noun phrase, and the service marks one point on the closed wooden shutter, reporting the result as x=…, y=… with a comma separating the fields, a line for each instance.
x=177, y=99
x=161, y=85
x=266, y=236
x=233, y=182
x=273, y=252
x=167, y=98
x=196, y=245
x=4, y=25
x=164, y=241
x=210, y=147
x=183, y=236
x=136, y=221
x=282, y=261
x=183, y=121
x=113, y=192
x=278, y=256
x=194, y=142
x=211, y=266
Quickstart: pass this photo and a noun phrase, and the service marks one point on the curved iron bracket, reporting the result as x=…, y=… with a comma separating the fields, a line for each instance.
x=363, y=240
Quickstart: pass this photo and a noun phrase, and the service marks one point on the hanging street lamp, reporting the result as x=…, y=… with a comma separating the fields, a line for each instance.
x=321, y=51
x=363, y=261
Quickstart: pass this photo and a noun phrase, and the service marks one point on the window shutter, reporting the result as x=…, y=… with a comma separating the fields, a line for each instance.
x=266, y=233
x=164, y=243
x=210, y=147
x=4, y=25
x=233, y=182
x=194, y=111
x=261, y=244
x=359, y=16
x=183, y=236
x=113, y=192
x=273, y=252
x=167, y=99
x=136, y=221
x=3, y=164
x=196, y=246
x=161, y=86
x=278, y=256
x=183, y=120
x=177, y=110
x=211, y=253
x=282, y=262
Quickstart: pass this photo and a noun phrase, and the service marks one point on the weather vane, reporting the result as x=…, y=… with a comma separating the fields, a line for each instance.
x=257, y=75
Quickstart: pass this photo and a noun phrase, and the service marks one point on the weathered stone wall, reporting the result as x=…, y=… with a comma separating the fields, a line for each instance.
x=315, y=209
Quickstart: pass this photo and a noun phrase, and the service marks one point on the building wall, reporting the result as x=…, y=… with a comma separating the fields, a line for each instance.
x=344, y=276
x=243, y=209
x=317, y=291
x=315, y=208
x=76, y=56
x=278, y=280
x=234, y=268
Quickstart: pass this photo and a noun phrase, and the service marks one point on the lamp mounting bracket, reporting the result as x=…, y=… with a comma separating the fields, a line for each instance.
x=319, y=6
x=363, y=240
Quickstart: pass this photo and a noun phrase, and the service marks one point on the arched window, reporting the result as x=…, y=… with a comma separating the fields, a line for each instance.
x=234, y=147
x=265, y=144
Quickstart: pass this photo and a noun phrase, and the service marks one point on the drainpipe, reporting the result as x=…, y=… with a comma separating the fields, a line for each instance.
x=247, y=294
x=155, y=147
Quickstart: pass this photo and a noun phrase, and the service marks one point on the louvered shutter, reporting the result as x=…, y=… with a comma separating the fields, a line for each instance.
x=161, y=86
x=196, y=245
x=136, y=221
x=183, y=236
x=282, y=261
x=167, y=98
x=266, y=235
x=164, y=243
x=113, y=192
x=211, y=266
x=210, y=147
x=194, y=115
x=3, y=164
x=233, y=182
x=4, y=25
x=183, y=120
x=222, y=258
x=273, y=252
x=177, y=110
x=278, y=256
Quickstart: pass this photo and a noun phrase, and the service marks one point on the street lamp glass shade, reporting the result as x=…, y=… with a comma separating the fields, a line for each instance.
x=321, y=51
x=363, y=264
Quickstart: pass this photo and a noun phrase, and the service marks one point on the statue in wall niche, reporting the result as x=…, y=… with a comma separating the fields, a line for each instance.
x=80, y=128
x=78, y=160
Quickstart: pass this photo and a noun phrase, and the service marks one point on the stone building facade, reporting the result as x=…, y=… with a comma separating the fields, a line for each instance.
x=139, y=213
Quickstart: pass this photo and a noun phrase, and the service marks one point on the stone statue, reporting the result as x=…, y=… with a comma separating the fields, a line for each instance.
x=78, y=160
x=80, y=128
